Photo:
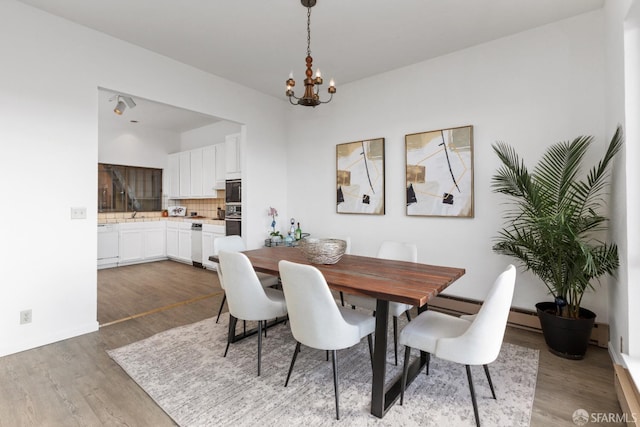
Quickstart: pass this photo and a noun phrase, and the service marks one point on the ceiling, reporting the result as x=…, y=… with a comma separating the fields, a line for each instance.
x=149, y=114
x=257, y=43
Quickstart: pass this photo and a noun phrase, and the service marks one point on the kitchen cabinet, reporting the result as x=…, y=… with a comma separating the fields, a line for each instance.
x=221, y=171
x=185, y=173
x=194, y=174
x=172, y=239
x=142, y=242
x=232, y=156
x=108, y=245
x=184, y=243
x=209, y=234
x=179, y=241
x=173, y=172
x=209, y=171
x=195, y=157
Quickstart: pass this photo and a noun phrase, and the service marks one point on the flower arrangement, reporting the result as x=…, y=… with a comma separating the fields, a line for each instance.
x=273, y=213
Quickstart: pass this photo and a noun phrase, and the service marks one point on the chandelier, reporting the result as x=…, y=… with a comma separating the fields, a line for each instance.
x=311, y=96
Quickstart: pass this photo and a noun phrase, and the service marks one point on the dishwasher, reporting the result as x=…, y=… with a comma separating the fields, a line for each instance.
x=108, y=245
x=196, y=245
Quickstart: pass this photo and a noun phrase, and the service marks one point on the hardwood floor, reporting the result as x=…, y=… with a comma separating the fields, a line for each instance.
x=75, y=383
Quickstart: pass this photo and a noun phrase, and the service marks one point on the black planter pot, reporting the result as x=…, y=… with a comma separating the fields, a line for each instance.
x=565, y=337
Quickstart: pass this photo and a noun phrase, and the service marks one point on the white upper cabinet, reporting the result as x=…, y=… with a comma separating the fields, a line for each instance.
x=196, y=173
x=173, y=171
x=209, y=171
x=232, y=156
x=221, y=167
x=185, y=174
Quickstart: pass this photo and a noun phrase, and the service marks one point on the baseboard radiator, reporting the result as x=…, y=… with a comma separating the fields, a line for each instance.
x=519, y=318
x=628, y=395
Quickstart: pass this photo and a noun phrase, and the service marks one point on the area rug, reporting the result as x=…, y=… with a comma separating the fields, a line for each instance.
x=183, y=371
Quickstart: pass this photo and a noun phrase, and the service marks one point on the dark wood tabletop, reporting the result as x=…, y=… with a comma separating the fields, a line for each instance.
x=400, y=281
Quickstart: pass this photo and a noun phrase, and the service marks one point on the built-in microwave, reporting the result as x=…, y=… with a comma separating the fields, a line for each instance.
x=233, y=191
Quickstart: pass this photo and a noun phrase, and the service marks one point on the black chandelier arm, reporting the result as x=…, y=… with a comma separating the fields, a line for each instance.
x=328, y=100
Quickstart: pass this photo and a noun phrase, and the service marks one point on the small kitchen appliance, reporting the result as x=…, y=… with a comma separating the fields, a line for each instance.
x=177, y=210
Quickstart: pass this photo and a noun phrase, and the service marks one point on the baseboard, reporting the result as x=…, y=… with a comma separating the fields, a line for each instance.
x=628, y=395
x=519, y=318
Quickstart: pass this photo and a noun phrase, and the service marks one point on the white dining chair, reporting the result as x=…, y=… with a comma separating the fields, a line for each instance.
x=398, y=251
x=248, y=300
x=317, y=321
x=236, y=244
x=475, y=340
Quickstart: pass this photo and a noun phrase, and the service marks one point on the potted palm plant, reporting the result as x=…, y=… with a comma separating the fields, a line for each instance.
x=553, y=227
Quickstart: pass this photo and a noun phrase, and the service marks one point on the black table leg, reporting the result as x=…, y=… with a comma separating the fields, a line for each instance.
x=383, y=397
x=380, y=359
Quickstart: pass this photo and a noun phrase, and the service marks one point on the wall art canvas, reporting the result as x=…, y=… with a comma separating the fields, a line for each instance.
x=439, y=172
x=360, y=177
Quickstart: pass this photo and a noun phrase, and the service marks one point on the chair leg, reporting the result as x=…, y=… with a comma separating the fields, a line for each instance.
x=293, y=360
x=232, y=330
x=395, y=338
x=428, y=361
x=405, y=371
x=408, y=315
x=265, y=328
x=259, y=344
x=224, y=298
x=370, y=341
x=342, y=298
x=335, y=382
x=327, y=353
x=486, y=371
x=473, y=396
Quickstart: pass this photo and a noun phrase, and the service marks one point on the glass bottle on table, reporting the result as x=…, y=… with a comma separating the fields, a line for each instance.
x=298, y=233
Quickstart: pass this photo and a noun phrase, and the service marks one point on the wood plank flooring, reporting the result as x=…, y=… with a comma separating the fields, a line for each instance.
x=75, y=383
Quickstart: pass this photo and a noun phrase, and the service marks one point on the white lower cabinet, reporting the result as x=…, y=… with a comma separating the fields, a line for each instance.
x=142, y=242
x=209, y=234
x=179, y=241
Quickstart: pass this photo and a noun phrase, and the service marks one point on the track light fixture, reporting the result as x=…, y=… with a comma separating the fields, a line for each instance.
x=122, y=102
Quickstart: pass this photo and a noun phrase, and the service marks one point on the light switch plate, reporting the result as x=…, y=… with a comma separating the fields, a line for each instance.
x=78, y=213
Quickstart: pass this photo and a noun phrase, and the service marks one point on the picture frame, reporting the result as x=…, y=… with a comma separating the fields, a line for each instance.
x=439, y=173
x=360, y=177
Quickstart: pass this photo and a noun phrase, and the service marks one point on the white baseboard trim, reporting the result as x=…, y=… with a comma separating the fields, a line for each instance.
x=39, y=341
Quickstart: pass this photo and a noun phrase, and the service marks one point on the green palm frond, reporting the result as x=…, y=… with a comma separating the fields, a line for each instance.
x=553, y=213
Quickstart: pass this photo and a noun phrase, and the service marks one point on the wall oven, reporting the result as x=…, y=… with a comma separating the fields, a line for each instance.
x=233, y=191
x=233, y=220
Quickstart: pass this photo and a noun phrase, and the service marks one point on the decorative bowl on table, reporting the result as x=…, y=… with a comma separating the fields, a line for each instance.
x=322, y=251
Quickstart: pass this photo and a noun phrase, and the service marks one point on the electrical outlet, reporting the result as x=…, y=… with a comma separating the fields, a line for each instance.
x=25, y=317
x=78, y=213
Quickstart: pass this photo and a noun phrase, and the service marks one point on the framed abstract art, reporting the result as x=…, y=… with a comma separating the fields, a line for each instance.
x=439, y=173
x=360, y=177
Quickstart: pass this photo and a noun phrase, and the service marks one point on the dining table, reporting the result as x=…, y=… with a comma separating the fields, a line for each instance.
x=385, y=280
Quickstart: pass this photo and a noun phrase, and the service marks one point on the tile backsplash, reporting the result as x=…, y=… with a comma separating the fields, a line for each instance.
x=203, y=207
x=207, y=208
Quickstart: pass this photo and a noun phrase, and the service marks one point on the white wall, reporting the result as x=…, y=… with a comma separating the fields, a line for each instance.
x=632, y=113
x=207, y=135
x=49, y=79
x=623, y=177
x=529, y=90
x=136, y=146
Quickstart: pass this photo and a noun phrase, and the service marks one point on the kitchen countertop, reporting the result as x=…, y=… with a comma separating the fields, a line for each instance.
x=203, y=220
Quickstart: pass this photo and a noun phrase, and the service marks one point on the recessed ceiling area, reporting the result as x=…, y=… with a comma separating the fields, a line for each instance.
x=257, y=43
